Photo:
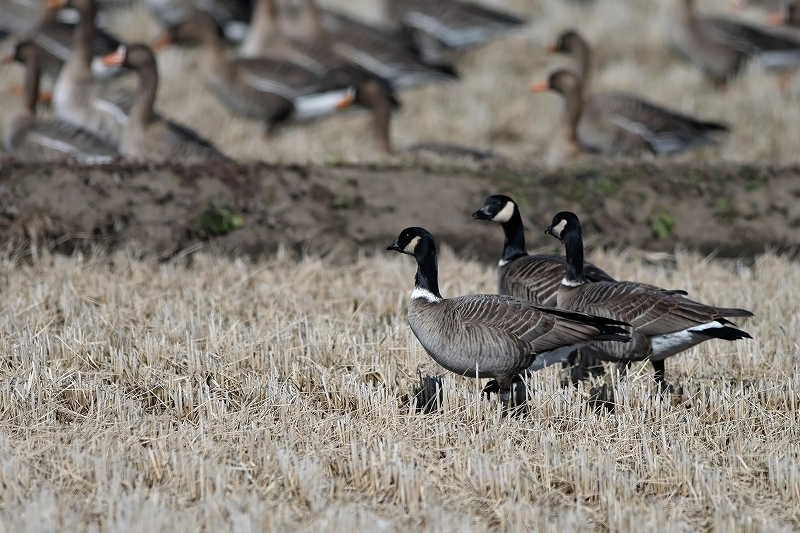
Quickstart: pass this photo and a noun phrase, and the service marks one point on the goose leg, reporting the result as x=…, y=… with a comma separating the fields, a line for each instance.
x=659, y=371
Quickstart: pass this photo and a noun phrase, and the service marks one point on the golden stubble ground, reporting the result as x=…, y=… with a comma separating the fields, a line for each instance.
x=235, y=396
x=491, y=107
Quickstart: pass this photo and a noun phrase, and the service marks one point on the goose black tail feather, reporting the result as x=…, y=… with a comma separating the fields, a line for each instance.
x=728, y=311
x=597, y=321
x=608, y=334
x=726, y=333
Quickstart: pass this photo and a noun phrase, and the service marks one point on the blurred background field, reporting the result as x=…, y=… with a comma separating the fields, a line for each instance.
x=491, y=108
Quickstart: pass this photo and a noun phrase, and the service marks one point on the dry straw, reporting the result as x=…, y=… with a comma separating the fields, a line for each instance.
x=236, y=396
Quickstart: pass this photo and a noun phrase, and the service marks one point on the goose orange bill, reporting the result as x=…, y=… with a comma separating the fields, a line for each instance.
x=347, y=99
x=775, y=19
x=539, y=86
x=115, y=58
x=162, y=42
x=54, y=5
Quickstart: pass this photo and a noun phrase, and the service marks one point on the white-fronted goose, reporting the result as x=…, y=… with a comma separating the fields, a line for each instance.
x=55, y=40
x=34, y=139
x=431, y=24
x=489, y=335
x=529, y=277
x=373, y=49
x=264, y=89
x=571, y=43
x=619, y=124
x=265, y=38
x=76, y=93
x=664, y=322
x=147, y=136
x=720, y=47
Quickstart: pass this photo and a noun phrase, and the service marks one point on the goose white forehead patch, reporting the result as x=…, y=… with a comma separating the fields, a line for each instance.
x=505, y=214
x=558, y=228
x=411, y=246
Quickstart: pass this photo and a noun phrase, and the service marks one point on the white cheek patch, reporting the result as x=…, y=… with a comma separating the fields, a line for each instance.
x=558, y=228
x=505, y=214
x=425, y=294
x=411, y=246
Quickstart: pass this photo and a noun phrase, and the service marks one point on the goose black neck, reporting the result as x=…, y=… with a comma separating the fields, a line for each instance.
x=427, y=277
x=573, y=244
x=514, y=244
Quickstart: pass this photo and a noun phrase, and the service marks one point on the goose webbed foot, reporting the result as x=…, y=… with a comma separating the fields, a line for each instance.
x=515, y=392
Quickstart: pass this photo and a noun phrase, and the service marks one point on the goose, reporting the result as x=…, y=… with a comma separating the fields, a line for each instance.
x=721, y=47
x=266, y=89
x=431, y=26
x=619, y=124
x=34, y=139
x=664, y=322
x=574, y=45
x=371, y=48
x=265, y=38
x=528, y=277
x=490, y=335
x=77, y=94
x=55, y=39
x=147, y=135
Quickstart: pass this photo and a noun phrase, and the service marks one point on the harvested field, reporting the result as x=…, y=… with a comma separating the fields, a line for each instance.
x=225, y=395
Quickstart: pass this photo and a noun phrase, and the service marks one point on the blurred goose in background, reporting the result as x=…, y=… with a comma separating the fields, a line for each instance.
x=665, y=322
x=371, y=48
x=34, y=139
x=490, y=335
x=432, y=26
x=265, y=39
x=77, y=94
x=619, y=124
x=22, y=17
x=147, y=135
x=55, y=40
x=265, y=89
x=572, y=44
x=231, y=16
x=721, y=47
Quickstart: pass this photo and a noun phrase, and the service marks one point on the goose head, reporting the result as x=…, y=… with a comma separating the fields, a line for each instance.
x=25, y=52
x=569, y=42
x=417, y=242
x=563, y=223
x=497, y=208
x=564, y=82
x=134, y=56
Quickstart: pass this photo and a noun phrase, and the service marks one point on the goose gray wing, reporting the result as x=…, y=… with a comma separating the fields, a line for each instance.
x=772, y=50
x=453, y=23
x=186, y=145
x=533, y=329
x=664, y=130
x=283, y=78
x=650, y=310
x=63, y=138
x=379, y=52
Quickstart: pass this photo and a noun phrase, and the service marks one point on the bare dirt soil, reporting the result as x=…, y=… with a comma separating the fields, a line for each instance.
x=338, y=210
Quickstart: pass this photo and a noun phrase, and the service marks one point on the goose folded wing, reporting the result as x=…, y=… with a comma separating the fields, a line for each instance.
x=663, y=129
x=532, y=328
x=749, y=39
x=650, y=310
x=283, y=78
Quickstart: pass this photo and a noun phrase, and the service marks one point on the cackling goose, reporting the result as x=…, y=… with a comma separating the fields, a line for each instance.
x=664, y=322
x=489, y=335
